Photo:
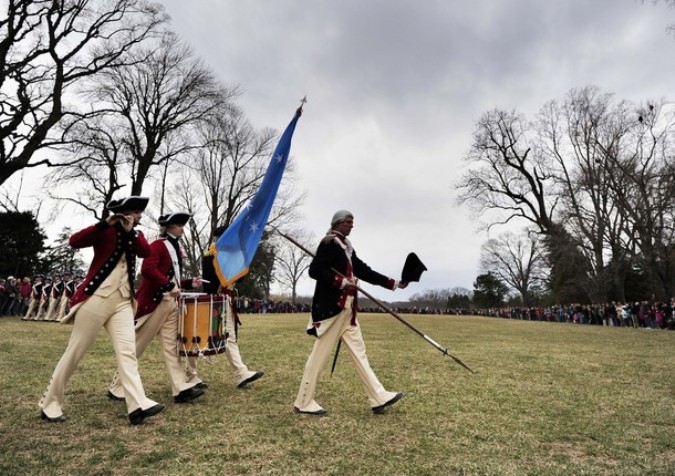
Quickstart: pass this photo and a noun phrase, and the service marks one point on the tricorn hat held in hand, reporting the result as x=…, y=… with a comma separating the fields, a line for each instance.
x=412, y=269
x=177, y=218
x=128, y=204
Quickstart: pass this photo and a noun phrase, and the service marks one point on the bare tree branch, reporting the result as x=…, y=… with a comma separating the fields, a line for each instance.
x=47, y=47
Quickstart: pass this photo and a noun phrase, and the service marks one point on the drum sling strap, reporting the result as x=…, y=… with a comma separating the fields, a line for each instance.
x=174, y=261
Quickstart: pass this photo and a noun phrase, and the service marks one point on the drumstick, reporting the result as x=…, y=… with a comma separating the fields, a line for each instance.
x=206, y=281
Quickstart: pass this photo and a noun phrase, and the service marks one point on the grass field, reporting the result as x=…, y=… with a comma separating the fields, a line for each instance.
x=546, y=399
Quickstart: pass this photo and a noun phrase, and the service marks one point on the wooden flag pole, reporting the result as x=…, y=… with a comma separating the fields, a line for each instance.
x=385, y=307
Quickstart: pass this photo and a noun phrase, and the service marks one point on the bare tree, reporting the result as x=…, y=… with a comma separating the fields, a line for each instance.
x=511, y=177
x=48, y=46
x=231, y=165
x=223, y=175
x=152, y=105
x=182, y=195
x=593, y=176
x=144, y=118
x=517, y=260
x=432, y=298
x=291, y=262
x=575, y=133
x=644, y=186
x=97, y=172
x=508, y=175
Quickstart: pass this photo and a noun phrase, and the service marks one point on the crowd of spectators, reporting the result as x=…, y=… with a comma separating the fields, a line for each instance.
x=643, y=314
x=15, y=295
x=245, y=305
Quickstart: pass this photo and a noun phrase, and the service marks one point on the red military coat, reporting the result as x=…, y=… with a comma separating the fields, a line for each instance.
x=158, y=278
x=110, y=242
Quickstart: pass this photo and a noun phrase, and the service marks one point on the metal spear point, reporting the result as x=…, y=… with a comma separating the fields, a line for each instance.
x=385, y=307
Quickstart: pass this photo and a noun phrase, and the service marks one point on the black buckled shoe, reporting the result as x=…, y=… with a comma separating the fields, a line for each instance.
x=58, y=419
x=251, y=379
x=137, y=416
x=319, y=412
x=202, y=385
x=114, y=397
x=380, y=409
x=188, y=395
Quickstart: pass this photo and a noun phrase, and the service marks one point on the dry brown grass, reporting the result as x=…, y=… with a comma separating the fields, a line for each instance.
x=547, y=399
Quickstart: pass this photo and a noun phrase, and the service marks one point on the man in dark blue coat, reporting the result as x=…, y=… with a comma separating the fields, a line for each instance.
x=336, y=269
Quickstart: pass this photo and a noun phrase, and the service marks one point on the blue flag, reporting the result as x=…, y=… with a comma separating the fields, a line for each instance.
x=236, y=247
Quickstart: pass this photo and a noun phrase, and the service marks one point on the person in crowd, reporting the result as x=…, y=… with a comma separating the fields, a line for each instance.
x=211, y=285
x=4, y=295
x=610, y=314
x=66, y=294
x=659, y=314
x=25, y=290
x=13, y=303
x=336, y=268
x=36, y=294
x=157, y=314
x=626, y=314
x=106, y=300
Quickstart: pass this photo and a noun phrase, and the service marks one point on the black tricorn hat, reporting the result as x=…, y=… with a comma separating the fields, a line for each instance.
x=176, y=218
x=128, y=204
x=412, y=269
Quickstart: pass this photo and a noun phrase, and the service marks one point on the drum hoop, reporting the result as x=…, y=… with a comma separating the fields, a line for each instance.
x=194, y=303
x=193, y=298
x=191, y=295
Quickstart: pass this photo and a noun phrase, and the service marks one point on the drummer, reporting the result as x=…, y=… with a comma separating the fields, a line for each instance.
x=157, y=313
x=242, y=374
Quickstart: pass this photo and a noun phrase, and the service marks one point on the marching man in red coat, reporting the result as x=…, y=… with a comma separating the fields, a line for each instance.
x=45, y=296
x=106, y=299
x=157, y=313
x=54, y=299
x=68, y=290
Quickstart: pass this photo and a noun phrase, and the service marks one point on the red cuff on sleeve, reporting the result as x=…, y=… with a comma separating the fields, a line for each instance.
x=337, y=282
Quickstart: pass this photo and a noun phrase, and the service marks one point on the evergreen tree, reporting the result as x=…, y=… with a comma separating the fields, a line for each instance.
x=22, y=244
x=62, y=257
x=256, y=284
x=488, y=291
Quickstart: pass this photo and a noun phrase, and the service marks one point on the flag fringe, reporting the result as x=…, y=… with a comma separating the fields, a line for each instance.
x=224, y=281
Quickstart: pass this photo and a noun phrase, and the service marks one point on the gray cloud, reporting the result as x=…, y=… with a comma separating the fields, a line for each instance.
x=394, y=90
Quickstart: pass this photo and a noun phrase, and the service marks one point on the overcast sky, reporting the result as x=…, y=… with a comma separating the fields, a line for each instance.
x=394, y=89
